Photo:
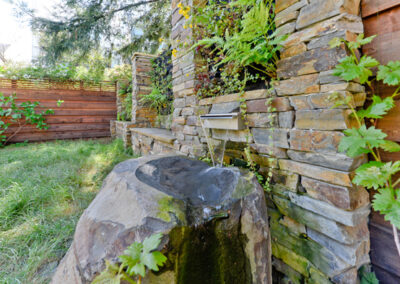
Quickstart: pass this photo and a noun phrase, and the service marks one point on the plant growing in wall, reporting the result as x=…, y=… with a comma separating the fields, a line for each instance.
x=366, y=138
x=161, y=96
x=125, y=94
x=21, y=114
x=137, y=258
x=239, y=44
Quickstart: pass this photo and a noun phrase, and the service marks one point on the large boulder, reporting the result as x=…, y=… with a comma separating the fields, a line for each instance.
x=214, y=222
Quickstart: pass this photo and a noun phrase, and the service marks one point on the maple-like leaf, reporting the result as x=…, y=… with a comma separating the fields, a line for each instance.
x=390, y=73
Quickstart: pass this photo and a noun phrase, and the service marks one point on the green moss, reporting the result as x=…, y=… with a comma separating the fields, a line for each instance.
x=169, y=206
x=211, y=254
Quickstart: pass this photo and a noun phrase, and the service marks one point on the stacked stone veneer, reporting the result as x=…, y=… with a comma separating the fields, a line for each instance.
x=142, y=115
x=318, y=217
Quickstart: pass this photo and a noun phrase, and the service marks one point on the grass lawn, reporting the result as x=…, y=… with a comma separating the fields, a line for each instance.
x=44, y=189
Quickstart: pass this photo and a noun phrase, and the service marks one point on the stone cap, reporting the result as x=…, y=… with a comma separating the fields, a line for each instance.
x=141, y=54
x=159, y=134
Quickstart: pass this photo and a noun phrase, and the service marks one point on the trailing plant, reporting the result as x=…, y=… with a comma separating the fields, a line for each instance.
x=137, y=258
x=21, y=114
x=366, y=138
x=161, y=96
x=235, y=38
x=125, y=95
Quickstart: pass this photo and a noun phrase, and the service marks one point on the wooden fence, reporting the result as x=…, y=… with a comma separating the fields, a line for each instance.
x=382, y=18
x=85, y=113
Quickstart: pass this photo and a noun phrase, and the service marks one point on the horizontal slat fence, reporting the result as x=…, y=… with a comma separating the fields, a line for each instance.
x=85, y=113
x=382, y=18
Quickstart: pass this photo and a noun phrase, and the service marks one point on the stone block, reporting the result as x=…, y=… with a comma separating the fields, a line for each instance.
x=354, y=254
x=192, y=120
x=277, y=104
x=286, y=29
x=264, y=160
x=327, y=77
x=179, y=120
x=343, y=86
x=295, y=261
x=325, y=100
x=319, y=10
x=312, y=61
x=187, y=111
x=317, y=277
x=262, y=119
x=293, y=50
x=349, y=218
x=329, y=119
x=315, y=141
x=273, y=137
x=320, y=257
x=341, y=233
x=269, y=150
x=232, y=135
x=343, y=21
x=316, y=172
x=347, y=198
x=248, y=95
x=323, y=41
x=227, y=107
x=286, y=119
x=301, y=102
x=334, y=161
x=285, y=178
x=284, y=4
x=299, y=85
x=179, y=103
x=285, y=16
x=190, y=130
x=293, y=226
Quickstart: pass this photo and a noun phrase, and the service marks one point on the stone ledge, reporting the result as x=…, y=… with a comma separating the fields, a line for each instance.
x=249, y=95
x=156, y=133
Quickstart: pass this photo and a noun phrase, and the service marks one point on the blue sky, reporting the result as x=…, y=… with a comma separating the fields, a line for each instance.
x=17, y=33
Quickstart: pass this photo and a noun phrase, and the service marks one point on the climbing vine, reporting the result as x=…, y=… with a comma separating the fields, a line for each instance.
x=366, y=138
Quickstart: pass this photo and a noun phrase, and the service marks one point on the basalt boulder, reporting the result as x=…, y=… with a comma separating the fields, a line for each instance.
x=214, y=222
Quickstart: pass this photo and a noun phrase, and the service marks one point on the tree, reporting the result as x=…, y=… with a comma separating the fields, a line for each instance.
x=78, y=27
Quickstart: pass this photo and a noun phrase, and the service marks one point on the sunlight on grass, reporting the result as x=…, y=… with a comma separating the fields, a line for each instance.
x=44, y=189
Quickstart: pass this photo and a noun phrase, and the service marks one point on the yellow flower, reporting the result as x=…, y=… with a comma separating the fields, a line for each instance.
x=186, y=16
x=185, y=27
x=180, y=5
x=174, y=51
x=178, y=41
x=160, y=39
x=191, y=26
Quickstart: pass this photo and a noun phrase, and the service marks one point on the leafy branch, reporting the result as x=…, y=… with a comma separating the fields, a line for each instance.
x=136, y=259
x=21, y=114
x=376, y=174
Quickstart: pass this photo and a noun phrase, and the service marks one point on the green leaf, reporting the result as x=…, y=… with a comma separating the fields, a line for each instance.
x=335, y=42
x=378, y=108
x=356, y=141
x=390, y=74
x=386, y=201
x=137, y=269
x=369, y=278
x=152, y=242
x=375, y=174
x=390, y=146
x=110, y=275
x=153, y=260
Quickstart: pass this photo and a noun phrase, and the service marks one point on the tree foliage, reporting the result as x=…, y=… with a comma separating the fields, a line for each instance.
x=121, y=27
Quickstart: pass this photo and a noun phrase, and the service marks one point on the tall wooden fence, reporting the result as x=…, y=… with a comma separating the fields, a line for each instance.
x=85, y=113
x=382, y=18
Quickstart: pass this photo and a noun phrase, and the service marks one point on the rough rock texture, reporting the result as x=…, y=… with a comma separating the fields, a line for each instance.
x=214, y=222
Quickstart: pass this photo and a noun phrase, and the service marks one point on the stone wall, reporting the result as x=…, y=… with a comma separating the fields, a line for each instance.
x=121, y=130
x=318, y=217
x=142, y=115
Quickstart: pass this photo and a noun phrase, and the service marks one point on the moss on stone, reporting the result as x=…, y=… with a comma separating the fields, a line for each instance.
x=211, y=253
x=171, y=207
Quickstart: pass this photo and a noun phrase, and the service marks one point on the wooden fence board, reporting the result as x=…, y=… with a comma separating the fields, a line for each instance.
x=85, y=113
x=382, y=18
